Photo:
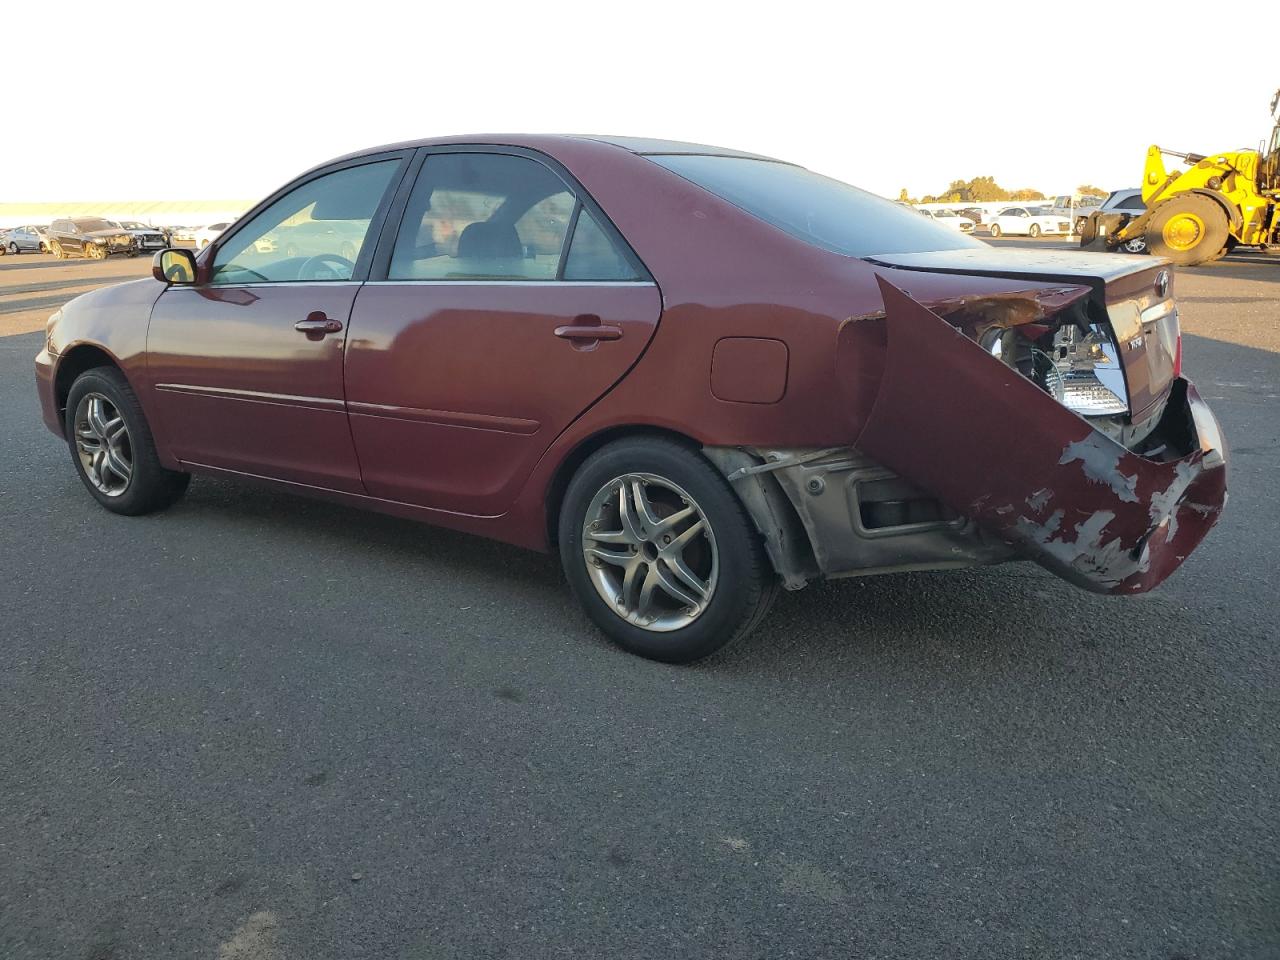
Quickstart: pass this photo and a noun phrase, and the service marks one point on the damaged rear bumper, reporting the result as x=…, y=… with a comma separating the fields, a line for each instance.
x=998, y=449
x=994, y=468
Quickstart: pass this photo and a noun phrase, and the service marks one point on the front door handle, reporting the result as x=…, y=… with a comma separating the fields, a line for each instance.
x=317, y=325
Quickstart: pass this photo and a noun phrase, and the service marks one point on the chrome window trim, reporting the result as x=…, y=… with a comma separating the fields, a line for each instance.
x=511, y=283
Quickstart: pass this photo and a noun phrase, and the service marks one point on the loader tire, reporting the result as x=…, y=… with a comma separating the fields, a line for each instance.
x=1189, y=230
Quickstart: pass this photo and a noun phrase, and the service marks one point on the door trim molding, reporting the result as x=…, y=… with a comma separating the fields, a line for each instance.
x=446, y=418
x=252, y=396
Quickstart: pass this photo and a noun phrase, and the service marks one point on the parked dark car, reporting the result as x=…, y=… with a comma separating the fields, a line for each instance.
x=716, y=383
x=17, y=240
x=89, y=237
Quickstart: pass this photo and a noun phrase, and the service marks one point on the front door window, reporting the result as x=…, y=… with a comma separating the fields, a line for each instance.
x=313, y=233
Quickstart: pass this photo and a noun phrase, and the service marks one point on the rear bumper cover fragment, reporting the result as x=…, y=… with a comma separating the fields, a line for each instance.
x=962, y=425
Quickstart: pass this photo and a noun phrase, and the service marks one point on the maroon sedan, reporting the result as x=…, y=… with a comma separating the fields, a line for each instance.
x=697, y=373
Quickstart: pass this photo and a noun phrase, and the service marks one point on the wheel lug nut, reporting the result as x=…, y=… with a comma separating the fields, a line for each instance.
x=666, y=538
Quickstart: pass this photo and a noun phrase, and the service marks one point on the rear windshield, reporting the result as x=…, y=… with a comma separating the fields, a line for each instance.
x=821, y=211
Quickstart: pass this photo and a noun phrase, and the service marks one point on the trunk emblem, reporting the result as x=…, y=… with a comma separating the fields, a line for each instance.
x=1162, y=284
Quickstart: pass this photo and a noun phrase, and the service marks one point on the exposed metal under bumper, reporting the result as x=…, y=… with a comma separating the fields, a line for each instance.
x=838, y=513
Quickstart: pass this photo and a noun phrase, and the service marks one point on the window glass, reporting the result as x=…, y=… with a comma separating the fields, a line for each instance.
x=483, y=216
x=816, y=209
x=593, y=256
x=315, y=232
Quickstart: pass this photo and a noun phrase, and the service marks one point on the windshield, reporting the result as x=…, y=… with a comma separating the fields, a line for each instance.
x=89, y=225
x=816, y=209
x=133, y=225
x=1040, y=211
x=944, y=213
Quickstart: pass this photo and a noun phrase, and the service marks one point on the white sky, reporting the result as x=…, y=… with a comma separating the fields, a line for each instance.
x=1038, y=94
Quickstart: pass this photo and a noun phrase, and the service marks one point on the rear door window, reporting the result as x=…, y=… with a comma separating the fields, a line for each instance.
x=483, y=216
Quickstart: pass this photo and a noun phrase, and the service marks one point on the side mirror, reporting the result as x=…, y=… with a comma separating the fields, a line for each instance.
x=174, y=266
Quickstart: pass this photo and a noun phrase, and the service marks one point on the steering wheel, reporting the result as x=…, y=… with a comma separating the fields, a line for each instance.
x=340, y=268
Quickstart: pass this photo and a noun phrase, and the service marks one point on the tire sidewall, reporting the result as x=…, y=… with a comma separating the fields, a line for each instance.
x=1215, y=222
x=735, y=598
x=148, y=479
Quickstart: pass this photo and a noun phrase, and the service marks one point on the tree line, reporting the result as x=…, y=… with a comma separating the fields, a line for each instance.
x=985, y=189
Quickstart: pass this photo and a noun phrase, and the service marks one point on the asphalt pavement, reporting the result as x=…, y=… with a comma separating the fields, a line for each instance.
x=257, y=727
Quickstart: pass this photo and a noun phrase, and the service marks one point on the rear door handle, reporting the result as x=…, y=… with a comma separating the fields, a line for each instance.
x=317, y=325
x=589, y=327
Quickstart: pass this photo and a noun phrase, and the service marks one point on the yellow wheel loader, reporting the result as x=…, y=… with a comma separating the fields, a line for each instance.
x=1199, y=214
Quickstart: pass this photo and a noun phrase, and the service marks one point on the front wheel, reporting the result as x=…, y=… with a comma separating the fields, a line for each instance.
x=112, y=448
x=1033, y=231
x=660, y=552
x=995, y=230
x=1188, y=229
x=13, y=248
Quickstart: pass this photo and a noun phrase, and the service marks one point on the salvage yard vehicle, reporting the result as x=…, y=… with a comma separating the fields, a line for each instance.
x=1028, y=222
x=147, y=238
x=17, y=240
x=728, y=374
x=90, y=237
x=1126, y=206
x=1076, y=209
x=949, y=219
x=206, y=235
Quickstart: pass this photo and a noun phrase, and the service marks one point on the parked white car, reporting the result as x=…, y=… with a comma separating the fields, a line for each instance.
x=950, y=218
x=206, y=235
x=1029, y=222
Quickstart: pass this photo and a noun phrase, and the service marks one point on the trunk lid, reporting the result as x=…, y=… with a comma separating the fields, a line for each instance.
x=1133, y=294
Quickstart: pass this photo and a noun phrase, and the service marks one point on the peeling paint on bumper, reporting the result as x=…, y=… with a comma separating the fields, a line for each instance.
x=999, y=450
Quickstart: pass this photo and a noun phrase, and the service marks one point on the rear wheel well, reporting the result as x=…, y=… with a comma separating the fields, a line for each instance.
x=569, y=466
x=77, y=361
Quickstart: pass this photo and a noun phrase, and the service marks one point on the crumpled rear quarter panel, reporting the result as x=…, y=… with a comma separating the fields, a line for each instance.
x=994, y=446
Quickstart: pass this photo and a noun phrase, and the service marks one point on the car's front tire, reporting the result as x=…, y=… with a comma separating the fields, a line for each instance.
x=13, y=248
x=660, y=552
x=1033, y=231
x=112, y=447
x=995, y=230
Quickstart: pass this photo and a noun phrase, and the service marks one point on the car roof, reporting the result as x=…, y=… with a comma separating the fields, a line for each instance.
x=644, y=146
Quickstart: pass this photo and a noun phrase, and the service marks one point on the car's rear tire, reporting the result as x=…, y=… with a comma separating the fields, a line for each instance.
x=660, y=552
x=995, y=230
x=1033, y=231
x=112, y=447
x=58, y=253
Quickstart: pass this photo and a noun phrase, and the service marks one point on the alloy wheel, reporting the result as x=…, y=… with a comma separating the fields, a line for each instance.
x=650, y=552
x=103, y=444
